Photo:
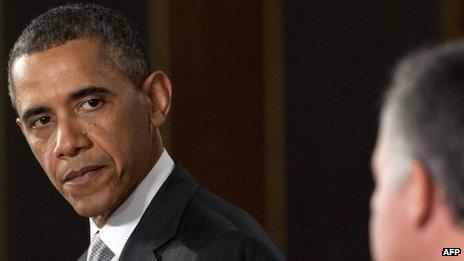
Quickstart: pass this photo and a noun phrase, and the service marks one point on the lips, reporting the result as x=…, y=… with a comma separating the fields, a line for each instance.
x=83, y=175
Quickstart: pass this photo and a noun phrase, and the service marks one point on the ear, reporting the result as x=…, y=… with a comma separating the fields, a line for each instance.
x=157, y=87
x=20, y=124
x=419, y=194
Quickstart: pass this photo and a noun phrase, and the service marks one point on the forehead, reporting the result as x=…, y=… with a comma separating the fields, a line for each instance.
x=55, y=71
x=73, y=55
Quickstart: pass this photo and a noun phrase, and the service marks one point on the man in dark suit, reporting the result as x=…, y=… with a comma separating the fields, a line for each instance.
x=90, y=110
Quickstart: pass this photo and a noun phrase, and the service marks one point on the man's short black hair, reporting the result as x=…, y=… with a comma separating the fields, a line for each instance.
x=121, y=41
x=424, y=108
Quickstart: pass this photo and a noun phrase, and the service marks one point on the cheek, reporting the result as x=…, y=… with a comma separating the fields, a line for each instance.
x=375, y=224
x=120, y=135
x=43, y=152
x=38, y=148
x=385, y=227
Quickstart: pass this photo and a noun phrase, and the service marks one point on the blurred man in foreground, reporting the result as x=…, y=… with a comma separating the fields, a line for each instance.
x=417, y=209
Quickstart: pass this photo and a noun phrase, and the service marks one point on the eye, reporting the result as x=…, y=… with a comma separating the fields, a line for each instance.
x=91, y=104
x=41, y=122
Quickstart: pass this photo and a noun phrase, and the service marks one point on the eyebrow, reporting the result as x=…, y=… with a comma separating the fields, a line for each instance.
x=86, y=91
x=34, y=111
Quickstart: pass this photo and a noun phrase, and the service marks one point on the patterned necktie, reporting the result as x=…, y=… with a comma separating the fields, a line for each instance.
x=98, y=250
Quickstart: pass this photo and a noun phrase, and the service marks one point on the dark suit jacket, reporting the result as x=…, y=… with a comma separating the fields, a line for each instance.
x=184, y=221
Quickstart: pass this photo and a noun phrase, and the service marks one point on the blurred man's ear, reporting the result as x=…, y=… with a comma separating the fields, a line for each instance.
x=158, y=88
x=419, y=193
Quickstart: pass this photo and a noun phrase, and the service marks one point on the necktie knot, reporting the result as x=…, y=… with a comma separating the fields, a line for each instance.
x=98, y=250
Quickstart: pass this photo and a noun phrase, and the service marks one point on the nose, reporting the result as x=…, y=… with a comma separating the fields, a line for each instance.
x=70, y=139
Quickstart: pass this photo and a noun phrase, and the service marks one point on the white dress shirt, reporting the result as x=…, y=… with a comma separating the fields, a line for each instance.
x=123, y=221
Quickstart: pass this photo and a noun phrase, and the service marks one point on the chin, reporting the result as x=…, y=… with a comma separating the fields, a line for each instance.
x=87, y=208
x=86, y=212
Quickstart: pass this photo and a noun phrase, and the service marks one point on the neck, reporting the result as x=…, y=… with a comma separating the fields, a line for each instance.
x=100, y=220
x=445, y=232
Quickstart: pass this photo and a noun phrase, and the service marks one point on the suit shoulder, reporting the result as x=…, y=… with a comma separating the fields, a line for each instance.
x=209, y=221
x=207, y=209
x=237, y=245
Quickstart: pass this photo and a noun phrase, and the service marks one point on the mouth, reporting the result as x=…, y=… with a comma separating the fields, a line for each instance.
x=82, y=176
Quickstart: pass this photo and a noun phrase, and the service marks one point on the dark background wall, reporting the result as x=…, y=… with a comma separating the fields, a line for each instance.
x=337, y=57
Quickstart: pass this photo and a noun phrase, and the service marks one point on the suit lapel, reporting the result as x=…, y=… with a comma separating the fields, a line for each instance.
x=160, y=221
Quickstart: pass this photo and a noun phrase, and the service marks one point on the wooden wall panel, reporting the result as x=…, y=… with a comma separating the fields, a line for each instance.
x=452, y=19
x=3, y=104
x=159, y=49
x=218, y=112
x=274, y=122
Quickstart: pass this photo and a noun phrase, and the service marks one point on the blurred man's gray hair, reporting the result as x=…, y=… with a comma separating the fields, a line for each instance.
x=423, y=117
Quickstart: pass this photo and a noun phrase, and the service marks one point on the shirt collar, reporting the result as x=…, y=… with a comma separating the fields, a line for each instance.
x=123, y=221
